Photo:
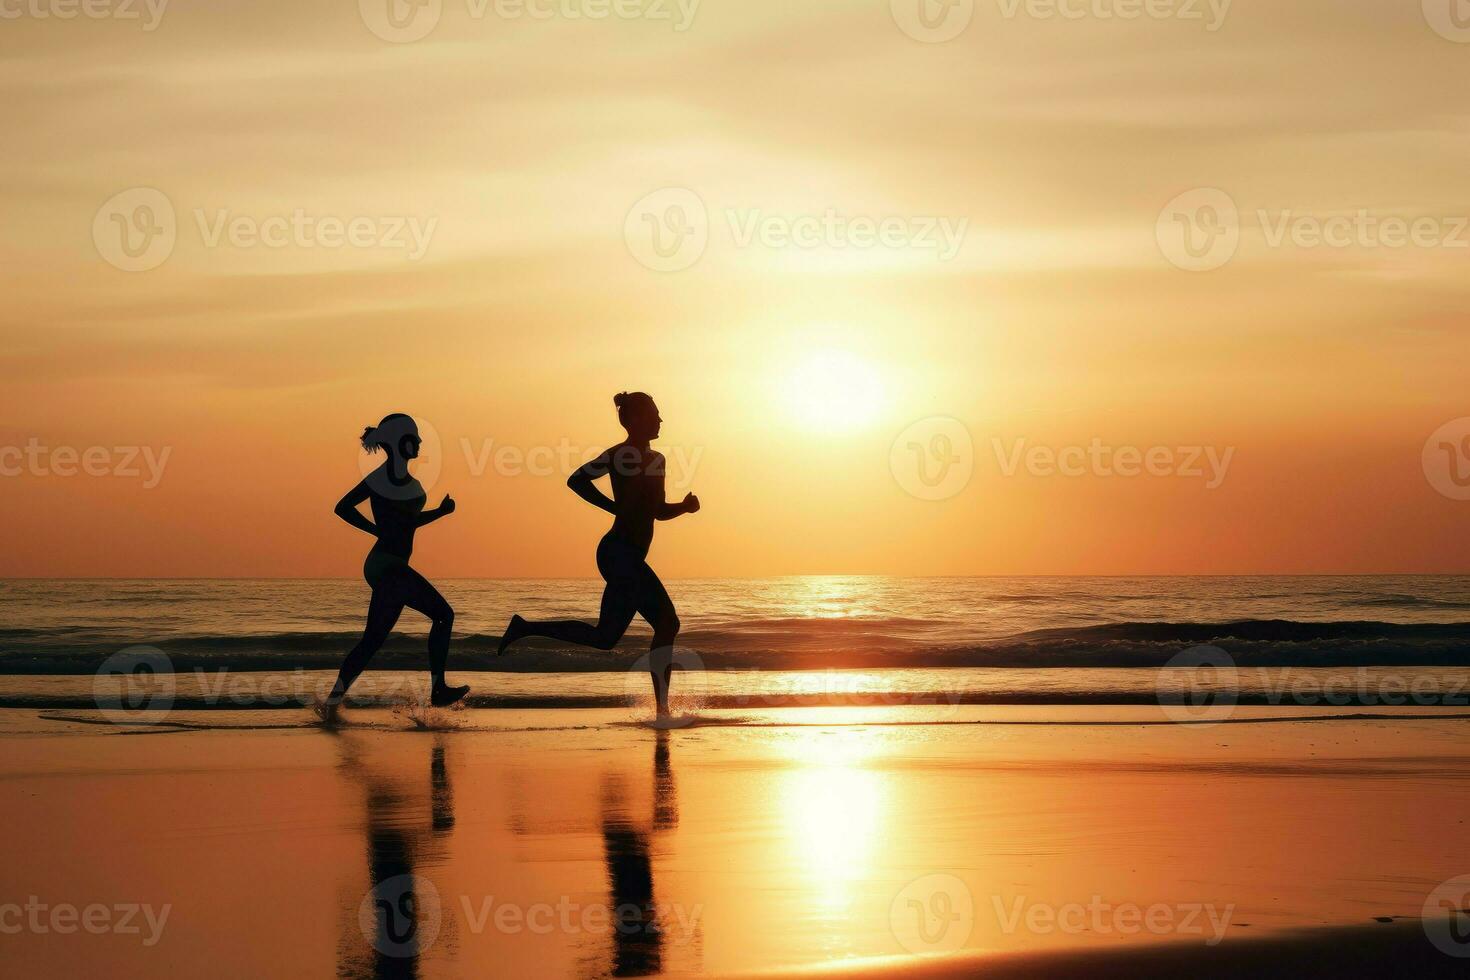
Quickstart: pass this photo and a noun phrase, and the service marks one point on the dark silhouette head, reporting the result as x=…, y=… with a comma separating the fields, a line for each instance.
x=397, y=435
x=638, y=414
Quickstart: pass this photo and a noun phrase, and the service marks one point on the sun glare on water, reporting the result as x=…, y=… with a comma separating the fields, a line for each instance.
x=834, y=390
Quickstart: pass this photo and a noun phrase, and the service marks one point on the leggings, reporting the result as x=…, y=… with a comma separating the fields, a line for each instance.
x=395, y=586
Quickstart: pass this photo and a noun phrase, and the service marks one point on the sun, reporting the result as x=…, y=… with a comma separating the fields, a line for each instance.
x=834, y=390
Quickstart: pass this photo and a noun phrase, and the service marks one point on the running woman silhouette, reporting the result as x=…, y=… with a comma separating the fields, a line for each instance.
x=397, y=502
x=637, y=475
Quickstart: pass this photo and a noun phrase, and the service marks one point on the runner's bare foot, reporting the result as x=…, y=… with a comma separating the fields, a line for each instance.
x=327, y=711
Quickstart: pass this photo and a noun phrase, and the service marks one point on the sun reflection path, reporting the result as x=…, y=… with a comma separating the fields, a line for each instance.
x=832, y=597
x=834, y=805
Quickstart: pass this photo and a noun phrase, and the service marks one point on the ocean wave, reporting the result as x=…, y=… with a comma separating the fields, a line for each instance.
x=797, y=644
x=1261, y=643
x=1412, y=602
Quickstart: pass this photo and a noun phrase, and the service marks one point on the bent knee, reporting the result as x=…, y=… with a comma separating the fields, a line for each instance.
x=666, y=628
x=445, y=616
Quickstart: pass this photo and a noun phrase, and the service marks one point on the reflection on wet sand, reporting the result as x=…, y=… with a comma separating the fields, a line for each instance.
x=780, y=848
x=629, y=921
x=401, y=914
x=441, y=794
x=608, y=917
x=638, y=929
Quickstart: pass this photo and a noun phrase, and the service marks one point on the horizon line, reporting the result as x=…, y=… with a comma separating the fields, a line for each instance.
x=732, y=578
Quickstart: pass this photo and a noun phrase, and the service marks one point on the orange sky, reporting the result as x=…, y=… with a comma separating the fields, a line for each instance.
x=520, y=149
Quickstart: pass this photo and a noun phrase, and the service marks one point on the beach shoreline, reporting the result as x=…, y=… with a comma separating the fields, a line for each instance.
x=809, y=842
x=1397, y=948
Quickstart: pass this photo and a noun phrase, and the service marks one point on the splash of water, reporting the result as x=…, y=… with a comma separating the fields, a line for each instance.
x=422, y=716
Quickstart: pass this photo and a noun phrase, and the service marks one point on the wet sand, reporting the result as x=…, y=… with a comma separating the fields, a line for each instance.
x=570, y=844
x=1393, y=949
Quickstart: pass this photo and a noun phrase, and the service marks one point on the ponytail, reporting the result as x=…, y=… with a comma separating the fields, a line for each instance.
x=388, y=434
x=628, y=402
